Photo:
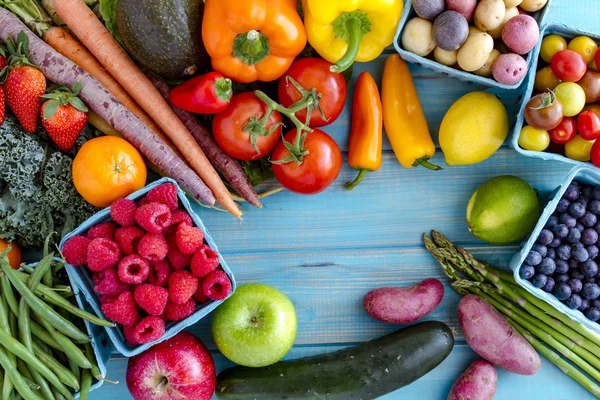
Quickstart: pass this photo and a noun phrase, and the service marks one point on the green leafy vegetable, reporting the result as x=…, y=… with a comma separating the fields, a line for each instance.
x=258, y=171
x=108, y=10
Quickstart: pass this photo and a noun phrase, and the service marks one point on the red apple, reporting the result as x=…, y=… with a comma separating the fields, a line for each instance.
x=178, y=368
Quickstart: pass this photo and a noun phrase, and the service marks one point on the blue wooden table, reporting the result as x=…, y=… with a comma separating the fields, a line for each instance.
x=328, y=250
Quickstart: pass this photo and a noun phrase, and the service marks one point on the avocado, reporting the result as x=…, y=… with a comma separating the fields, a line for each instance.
x=164, y=36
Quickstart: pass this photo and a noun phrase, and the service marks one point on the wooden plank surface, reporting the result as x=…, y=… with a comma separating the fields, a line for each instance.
x=327, y=251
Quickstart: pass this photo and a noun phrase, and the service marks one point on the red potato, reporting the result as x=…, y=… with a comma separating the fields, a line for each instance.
x=464, y=7
x=396, y=305
x=521, y=33
x=509, y=68
x=478, y=382
x=490, y=335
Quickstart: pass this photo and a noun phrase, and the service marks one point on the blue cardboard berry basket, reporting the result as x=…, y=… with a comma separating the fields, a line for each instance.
x=549, y=29
x=581, y=174
x=99, y=342
x=81, y=277
x=430, y=63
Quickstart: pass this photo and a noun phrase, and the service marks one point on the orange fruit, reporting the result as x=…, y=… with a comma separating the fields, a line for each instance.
x=14, y=255
x=108, y=168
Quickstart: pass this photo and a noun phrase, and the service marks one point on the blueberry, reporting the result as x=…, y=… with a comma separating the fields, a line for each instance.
x=594, y=206
x=533, y=258
x=526, y=271
x=590, y=291
x=589, y=219
x=576, y=274
x=589, y=237
x=589, y=280
x=574, y=302
x=573, y=263
x=545, y=237
x=563, y=252
x=551, y=253
x=539, y=280
x=576, y=210
x=574, y=236
x=540, y=248
x=595, y=303
x=568, y=220
x=572, y=193
x=583, y=200
x=560, y=231
x=596, y=193
x=555, y=243
x=585, y=304
x=587, y=190
x=552, y=220
x=563, y=205
x=579, y=227
x=562, y=291
x=589, y=268
x=549, y=286
x=561, y=278
x=562, y=267
x=592, y=251
x=547, y=266
x=593, y=314
x=576, y=285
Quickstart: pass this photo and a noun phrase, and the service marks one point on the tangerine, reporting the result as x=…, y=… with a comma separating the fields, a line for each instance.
x=14, y=255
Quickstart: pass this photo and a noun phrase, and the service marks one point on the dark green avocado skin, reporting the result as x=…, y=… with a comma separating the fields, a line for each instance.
x=165, y=36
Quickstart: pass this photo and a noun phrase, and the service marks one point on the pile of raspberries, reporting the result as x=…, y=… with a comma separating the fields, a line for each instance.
x=150, y=264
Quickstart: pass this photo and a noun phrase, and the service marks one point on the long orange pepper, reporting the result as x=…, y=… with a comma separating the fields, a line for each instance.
x=364, y=152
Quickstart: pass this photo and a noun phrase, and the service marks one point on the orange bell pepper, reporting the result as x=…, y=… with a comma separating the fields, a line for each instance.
x=364, y=150
x=252, y=40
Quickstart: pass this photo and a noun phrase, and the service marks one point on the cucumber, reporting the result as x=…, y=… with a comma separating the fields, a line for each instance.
x=366, y=371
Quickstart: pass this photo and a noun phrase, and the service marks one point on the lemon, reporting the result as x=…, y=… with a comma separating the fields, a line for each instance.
x=503, y=210
x=473, y=129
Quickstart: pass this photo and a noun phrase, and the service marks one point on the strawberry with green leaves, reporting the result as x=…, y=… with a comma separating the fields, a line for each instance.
x=64, y=115
x=24, y=84
x=3, y=64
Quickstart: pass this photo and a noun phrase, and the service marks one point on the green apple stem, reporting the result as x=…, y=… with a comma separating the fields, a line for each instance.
x=255, y=321
x=163, y=382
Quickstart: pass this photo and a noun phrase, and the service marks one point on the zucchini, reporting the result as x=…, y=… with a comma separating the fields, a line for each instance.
x=366, y=371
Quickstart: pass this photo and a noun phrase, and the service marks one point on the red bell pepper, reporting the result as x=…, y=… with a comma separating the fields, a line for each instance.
x=204, y=94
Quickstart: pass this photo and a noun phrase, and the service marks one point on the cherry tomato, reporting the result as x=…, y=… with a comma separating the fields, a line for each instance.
x=579, y=149
x=568, y=65
x=597, y=58
x=544, y=111
x=588, y=125
x=533, y=139
x=315, y=73
x=595, y=153
x=564, y=132
x=594, y=107
x=572, y=98
x=585, y=47
x=551, y=45
x=319, y=168
x=229, y=128
x=590, y=83
x=546, y=79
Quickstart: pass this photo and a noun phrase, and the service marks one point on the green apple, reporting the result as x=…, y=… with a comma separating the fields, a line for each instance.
x=256, y=326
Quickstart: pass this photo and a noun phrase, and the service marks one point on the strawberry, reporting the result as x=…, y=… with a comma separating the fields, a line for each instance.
x=3, y=59
x=64, y=116
x=2, y=106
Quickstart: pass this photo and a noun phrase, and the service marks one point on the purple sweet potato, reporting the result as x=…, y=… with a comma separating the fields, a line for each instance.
x=396, y=305
x=490, y=335
x=478, y=382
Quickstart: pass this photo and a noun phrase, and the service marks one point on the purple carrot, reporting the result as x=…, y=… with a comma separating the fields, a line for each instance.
x=64, y=72
x=224, y=163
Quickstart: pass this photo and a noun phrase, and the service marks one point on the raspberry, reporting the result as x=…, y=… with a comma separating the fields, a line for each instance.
x=177, y=259
x=107, y=283
x=178, y=217
x=108, y=298
x=159, y=274
x=165, y=194
x=199, y=296
x=204, y=261
x=102, y=254
x=151, y=298
x=75, y=250
x=128, y=238
x=216, y=286
x=182, y=285
x=153, y=247
x=122, y=310
x=133, y=269
x=129, y=333
x=188, y=238
x=122, y=211
x=104, y=230
x=149, y=329
x=153, y=217
x=177, y=312
x=143, y=201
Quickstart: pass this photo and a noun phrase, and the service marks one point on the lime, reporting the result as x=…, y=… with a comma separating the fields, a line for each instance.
x=503, y=210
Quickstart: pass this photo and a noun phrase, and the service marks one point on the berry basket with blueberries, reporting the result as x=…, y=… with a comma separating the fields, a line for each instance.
x=147, y=263
x=559, y=262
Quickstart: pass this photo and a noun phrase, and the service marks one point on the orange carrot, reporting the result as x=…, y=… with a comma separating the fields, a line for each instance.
x=94, y=35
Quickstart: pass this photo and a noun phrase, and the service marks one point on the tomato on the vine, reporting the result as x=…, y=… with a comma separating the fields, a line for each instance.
x=238, y=131
x=564, y=132
x=588, y=125
x=319, y=167
x=314, y=73
x=568, y=65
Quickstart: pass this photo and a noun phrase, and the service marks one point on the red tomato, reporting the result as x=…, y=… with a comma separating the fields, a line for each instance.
x=314, y=73
x=597, y=58
x=595, y=153
x=319, y=168
x=568, y=65
x=229, y=128
x=564, y=132
x=588, y=125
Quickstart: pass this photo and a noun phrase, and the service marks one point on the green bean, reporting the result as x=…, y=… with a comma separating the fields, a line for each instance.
x=42, y=308
x=22, y=368
x=57, y=267
x=43, y=335
x=36, y=277
x=7, y=388
x=8, y=294
x=45, y=389
x=27, y=268
x=57, y=395
x=15, y=377
x=86, y=384
x=13, y=323
x=67, y=346
x=60, y=370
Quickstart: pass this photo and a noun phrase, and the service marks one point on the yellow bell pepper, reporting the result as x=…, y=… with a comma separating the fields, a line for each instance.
x=344, y=31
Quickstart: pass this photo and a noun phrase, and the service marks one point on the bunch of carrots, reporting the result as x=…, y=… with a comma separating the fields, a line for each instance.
x=122, y=99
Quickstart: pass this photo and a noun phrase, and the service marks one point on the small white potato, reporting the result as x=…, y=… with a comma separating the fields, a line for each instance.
x=489, y=14
x=512, y=3
x=418, y=37
x=486, y=70
x=475, y=52
x=473, y=29
x=444, y=56
x=510, y=12
x=533, y=5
